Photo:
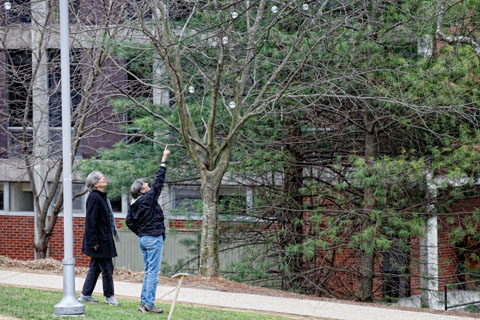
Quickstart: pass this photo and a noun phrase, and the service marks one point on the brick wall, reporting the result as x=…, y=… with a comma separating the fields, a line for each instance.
x=340, y=276
x=415, y=266
x=17, y=238
x=344, y=281
x=447, y=260
x=447, y=256
x=185, y=225
x=447, y=251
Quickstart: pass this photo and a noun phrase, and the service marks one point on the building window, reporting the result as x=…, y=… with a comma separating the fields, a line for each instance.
x=137, y=8
x=116, y=204
x=232, y=205
x=19, y=13
x=2, y=195
x=21, y=197
x=187, y=200
x=19, y=77
x=395, y=267
x=78, y=204
x=73, y=8
x=18, y=140
x=139, y=76
x=133, y=135
x=55, y=94
x=178, y=10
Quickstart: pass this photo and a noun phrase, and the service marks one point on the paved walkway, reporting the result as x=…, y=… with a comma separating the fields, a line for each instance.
x=312, y=309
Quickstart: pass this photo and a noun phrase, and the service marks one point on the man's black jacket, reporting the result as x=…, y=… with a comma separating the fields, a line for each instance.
x=145, y=217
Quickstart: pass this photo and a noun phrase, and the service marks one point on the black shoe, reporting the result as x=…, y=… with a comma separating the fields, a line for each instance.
x=145, y=308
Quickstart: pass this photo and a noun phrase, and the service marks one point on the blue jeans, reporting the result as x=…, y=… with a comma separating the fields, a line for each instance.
x=152, y=256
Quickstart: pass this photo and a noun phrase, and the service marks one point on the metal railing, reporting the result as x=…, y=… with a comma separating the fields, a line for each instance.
x=461, y=304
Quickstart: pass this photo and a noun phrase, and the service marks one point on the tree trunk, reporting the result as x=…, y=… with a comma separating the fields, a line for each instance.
x=209, y=254
x=41, y=246
x=366, y=263
x=293, y=180
x=365, y=270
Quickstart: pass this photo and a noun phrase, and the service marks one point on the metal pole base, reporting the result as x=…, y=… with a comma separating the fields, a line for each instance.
x=69, y=305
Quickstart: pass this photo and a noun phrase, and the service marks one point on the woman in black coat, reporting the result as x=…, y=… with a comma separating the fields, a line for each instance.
x=98, y=240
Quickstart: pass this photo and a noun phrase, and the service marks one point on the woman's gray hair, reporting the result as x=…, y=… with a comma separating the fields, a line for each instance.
x=92, y=179
x=136, y=188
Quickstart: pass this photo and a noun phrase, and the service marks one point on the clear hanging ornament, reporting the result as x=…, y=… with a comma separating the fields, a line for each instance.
x=191, y=89
x=305, y=6
x=225, y=40
x=7, y=5
x=232, y=104
x=274, y=9
x=234, y=15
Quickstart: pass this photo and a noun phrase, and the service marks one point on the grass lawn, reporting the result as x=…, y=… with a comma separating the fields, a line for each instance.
x=38, y=304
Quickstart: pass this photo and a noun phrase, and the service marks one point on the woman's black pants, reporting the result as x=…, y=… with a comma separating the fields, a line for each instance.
x=97, y=266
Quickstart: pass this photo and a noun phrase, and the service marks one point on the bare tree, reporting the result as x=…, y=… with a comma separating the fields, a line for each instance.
x=214, y=60
x=462, y=28
x=32, y=64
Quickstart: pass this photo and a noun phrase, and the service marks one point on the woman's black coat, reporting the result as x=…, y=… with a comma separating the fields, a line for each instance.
x=98, y=228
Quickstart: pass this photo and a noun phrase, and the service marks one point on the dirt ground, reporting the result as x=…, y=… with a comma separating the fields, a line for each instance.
x=51, y=266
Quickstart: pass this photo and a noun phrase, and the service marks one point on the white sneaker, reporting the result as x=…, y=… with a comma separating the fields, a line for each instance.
x=83, y=298
x=112, y=301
